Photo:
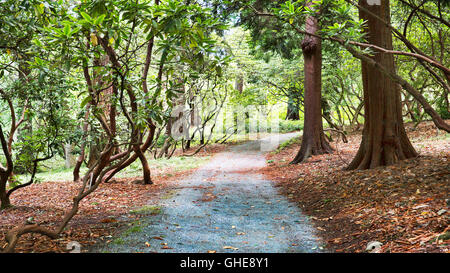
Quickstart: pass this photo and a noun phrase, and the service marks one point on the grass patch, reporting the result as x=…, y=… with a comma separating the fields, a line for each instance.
x=286, y=144
x=164, y=166
x=444, y=136
x=60, y=174
x=131, y=230
x=158, y=166
x=287, y=126
x=169, y=194
x=135, y=227
x=153, y=210
x=118, y=241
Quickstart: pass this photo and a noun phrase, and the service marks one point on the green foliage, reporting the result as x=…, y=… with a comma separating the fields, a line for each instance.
x=287, y=126
x=442, y=108
x=153, y=210
x=32, y=86
x=284, y=145
x=45, y=45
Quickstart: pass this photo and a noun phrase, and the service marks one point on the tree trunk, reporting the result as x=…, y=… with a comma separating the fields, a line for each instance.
x=292, y=110
x=4, y=198
x=384, y=140
x=313, y=140
x=202, y=136
x=5, y=172
x=105, y=97
x=95, y=148
x=145, y=167
x=80, y=159
x=69, y=157
x=239, y=83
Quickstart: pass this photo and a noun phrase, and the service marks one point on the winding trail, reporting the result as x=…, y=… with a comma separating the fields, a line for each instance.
x=225, y=206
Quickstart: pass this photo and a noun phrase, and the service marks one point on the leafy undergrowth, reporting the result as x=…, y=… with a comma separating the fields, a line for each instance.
x=103, y=213
x=405, y=206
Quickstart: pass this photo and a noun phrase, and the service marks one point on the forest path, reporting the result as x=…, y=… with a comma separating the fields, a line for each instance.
x=225, y=206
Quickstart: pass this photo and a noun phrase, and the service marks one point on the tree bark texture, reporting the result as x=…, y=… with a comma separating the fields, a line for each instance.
x=313, y=140
x=384, y=140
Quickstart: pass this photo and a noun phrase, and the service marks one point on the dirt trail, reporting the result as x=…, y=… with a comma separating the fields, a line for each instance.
x=225, y=206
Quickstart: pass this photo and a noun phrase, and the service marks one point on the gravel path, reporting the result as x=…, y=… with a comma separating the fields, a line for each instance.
x=225, y=206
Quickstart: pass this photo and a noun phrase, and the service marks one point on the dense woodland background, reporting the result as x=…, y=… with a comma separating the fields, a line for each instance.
x=88, y=88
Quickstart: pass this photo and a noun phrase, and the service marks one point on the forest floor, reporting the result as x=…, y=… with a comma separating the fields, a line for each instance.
x=405, y=206
x=225, y=206
x=111, y=207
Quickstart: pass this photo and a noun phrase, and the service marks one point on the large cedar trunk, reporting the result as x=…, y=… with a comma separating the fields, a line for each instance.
x=313, y=140
x=384, y=140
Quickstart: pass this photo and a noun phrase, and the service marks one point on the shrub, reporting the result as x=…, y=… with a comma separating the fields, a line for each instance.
x=287, y=126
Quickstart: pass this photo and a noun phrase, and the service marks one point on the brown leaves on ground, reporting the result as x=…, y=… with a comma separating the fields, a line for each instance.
x=99, y=214
x=404, y=206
